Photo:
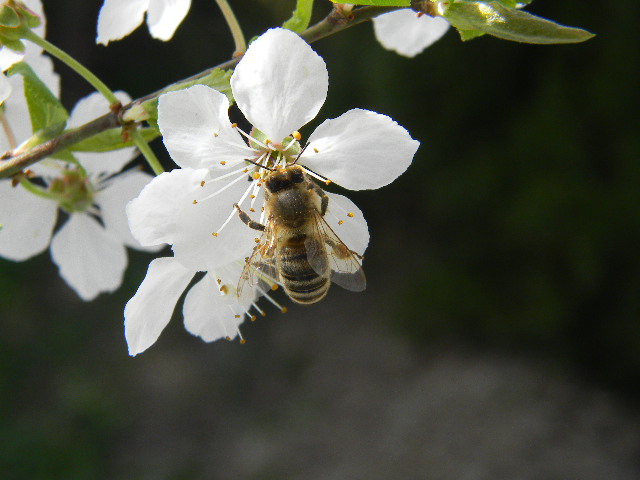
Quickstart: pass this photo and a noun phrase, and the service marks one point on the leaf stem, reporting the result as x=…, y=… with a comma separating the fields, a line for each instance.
x=234, y=26
x=146, y=151
x=73, y=64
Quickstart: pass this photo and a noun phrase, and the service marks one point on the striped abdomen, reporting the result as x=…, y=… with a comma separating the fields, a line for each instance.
x=299, y=280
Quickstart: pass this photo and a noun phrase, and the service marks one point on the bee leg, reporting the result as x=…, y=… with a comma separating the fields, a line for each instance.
x=324, y=198
x=247, y=219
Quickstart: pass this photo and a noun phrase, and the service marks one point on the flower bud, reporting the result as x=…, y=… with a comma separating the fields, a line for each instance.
x=15, y=20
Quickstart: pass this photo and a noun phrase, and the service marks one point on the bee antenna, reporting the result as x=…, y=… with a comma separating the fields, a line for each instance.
x=259, y=165
x=301, y=152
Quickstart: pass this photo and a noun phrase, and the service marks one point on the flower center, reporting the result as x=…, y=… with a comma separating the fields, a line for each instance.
x=73, y=191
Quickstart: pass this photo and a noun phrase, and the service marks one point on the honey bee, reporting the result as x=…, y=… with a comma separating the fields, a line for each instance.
x=298, y=249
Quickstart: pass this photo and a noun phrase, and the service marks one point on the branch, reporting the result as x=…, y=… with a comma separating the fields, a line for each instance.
x=333, y=23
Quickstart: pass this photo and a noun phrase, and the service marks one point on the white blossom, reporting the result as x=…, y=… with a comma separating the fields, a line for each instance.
x=89, y=248
x=279, y=85
x=118, y=18
x=407, y=32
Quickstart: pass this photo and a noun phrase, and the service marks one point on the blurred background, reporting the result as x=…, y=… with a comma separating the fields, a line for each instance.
x=499, y=337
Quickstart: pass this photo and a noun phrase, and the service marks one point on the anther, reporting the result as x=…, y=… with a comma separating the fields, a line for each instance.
x=252, y=196
x=257, y=240
x=327, y=182
x=219, y=281
x=253, y=318
x=350, y=214
x=245, y=170
x=259, y=184
x=223, y=162
x=242, y=341
x=296, y=135
x=284, y=310
x=227, y=338
x=215, y=234
x=274, y=286
x=256, y=176
x=316, y=150
x=236, y=316
x=195, y=202
x=252, y=210
x=340, y=222
x=215, y=134
x=267, y=141
x=234, y=125
x=224, y=289
x=202, y=183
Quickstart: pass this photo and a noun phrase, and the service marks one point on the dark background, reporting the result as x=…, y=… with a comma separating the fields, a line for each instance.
x=499, y=337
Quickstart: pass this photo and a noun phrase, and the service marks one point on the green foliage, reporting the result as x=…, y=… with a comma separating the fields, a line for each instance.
x=379, y=3
x=301, y=16
x=48, y=116
x=111, y=140
x=498, y=20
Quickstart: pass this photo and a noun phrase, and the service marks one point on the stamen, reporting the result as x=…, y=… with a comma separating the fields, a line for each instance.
x=350, y=214
x=222, y=162
x=202, y=183
x=227, y=175
x=249, y=137
x=260, y=311
x=315, y=175
x=276, y=304
x=296, y=135
x=228, y=185
x=316, y=150
x=340, y=222
x=233, y=211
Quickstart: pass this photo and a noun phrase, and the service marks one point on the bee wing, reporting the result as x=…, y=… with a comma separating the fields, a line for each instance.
x=330, y=257
x=261, y=269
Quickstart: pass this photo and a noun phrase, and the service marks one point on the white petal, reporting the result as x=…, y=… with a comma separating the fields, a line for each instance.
x=407, y=34
x=150, y=309
x=196, y=129
x=154, y=214
x=27, y=222
x=353, y=230
x=195, y=246
x=90, y=260
x=113, y=199
x=5, y=87
x=16, y=113
x=280, y=84
x=164, y=16
x=99, y=164
x=118, y=18
x=210, y=314
x=360, y=150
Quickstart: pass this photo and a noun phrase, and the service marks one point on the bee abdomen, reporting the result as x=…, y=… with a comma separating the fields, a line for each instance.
x=299, y=280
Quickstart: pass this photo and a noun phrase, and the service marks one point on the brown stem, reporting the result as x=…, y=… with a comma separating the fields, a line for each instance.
x=335, y=22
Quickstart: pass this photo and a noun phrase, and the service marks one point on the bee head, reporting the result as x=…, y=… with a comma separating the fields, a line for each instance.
x=284, y=177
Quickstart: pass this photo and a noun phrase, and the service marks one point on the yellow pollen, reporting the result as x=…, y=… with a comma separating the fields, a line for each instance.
x=215, y=234
x=284, y=310
x=219, y=281
x=223, y=162
x=234, y=125
x=202, y=183
x=195, y=202
x=257, y=240
x=340, y=222
x=327, y=182
x=256, y=176
x=224, y=289
x=267, y=141
x=350, y=214
x=296, y=135
x=245, y=170
x=263, y=313
x=316, y=150
x=252, y=196
x=236, y=316
x=242, y=341
x=227, y=338
x=246, y=259
x=262, y=210
x=274, y=286
x=259, y=184
x=253, y=318
x=215, y=134
x=252, y=210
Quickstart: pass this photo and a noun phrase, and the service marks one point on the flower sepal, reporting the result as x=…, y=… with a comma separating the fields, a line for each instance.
x=15, y=20
x=72, y=191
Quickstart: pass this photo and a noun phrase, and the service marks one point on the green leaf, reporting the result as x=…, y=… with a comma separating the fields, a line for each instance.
x=111, y=140
x=512, y=24
x=218, y=80
x=48, y=116
x=9, y=17
x=301, y=16
x=378, y=3
x=466, y=35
